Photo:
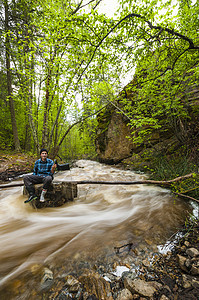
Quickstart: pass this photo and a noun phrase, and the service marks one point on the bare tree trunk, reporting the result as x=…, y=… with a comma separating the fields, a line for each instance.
x=47, y=104
x=55, y=150
x=27, y=86
x=9, y=83
x=45, y=120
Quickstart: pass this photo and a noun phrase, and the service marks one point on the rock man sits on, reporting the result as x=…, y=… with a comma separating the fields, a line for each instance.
x=44, y=169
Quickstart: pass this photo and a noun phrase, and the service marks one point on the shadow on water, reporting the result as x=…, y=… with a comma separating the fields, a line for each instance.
x=98, y=224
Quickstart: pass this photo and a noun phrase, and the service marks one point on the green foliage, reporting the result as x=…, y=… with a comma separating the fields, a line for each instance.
x=176, y=165
x=167, y=65
x=79, y=144
x=68, y=60
x=6, y=127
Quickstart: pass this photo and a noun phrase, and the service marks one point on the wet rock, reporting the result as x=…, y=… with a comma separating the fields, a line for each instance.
x=195, y=269
x=140, y=287
x=64, y=295
x=181, y=261
x=47, y=280
x=156, y=285
x=86, y=296
x=96, y=285
x=186, y=281
x=193, y=252
x=146, y=263
x=195, y=282
x=124, y=294
x=58, y=194
x=73, y=284
x=131, y=274
x=188, y=264
x=137, y=297
x=110, y=277
x=163, y=297
x=187, y=244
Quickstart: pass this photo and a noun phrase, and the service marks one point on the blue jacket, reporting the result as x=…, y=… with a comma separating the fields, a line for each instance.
x=43, y=168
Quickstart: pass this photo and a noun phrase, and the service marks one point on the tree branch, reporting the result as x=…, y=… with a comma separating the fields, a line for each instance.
x=79, y=121
x=161, y=29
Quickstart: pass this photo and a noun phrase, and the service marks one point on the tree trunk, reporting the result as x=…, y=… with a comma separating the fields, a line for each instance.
x=27, y=87
x=46, y=105
x=9, y=82
x=154, y=182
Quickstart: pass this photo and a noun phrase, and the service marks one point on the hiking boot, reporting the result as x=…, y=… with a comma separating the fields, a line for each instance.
x=42, y=199
x=32, y=197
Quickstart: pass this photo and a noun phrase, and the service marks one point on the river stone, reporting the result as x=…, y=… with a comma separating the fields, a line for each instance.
x=186, y=281
x=188, y=264
x=87, y=296
x=47, y=280
x=146, y=263
x=186, y=243
x=181, y=261
x=140, y=287
x=194, y=270
x=94, y=284
x=192, y=252
x=124, y=294
x=163, y=297
x=72, y=283
x=59, y=193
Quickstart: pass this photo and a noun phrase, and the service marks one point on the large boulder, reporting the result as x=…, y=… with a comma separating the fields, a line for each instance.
x=59, y=193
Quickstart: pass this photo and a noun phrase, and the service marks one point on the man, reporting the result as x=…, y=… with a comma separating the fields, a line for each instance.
x=44, y=169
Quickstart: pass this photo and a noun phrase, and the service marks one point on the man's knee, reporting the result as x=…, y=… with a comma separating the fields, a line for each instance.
x=48, y=179
x=26, y=180
x=46, y=182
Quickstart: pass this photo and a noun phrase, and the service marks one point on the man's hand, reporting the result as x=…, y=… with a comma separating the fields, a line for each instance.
x=53, y=168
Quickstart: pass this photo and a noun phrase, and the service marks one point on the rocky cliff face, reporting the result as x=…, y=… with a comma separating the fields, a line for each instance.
x=114, y=146
x=112, y=141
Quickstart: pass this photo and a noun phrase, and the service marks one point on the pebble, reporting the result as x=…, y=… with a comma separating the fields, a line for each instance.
x=47, y=280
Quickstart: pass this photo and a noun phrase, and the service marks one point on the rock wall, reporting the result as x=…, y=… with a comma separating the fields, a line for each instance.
x=112, y=141
x=114, y=146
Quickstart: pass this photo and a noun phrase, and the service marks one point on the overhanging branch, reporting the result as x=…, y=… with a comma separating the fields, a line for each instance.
x=159, y=28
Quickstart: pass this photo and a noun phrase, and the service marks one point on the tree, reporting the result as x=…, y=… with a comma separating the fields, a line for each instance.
x=9, y=79
x=166, y=59
x=60, y=50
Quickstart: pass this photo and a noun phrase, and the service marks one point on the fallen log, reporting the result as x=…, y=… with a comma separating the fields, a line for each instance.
x=5, y=186
x=160, y=182
x=154, y=182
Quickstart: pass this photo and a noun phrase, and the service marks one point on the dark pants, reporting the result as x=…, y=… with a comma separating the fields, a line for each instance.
x=30, y=180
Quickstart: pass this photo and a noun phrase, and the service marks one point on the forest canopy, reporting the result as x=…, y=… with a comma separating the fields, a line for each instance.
x=63, y=61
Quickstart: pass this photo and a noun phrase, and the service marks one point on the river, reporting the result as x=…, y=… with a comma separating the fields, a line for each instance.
x=86, y=232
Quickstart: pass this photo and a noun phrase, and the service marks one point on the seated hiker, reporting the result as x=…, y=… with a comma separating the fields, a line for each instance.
x=44, y=169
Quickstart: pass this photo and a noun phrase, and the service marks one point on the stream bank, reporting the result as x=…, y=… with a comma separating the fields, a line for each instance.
x=13, y=165
x=170, y=276
x=174, y=275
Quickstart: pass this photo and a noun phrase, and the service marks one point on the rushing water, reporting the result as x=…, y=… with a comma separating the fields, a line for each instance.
x=101, y=217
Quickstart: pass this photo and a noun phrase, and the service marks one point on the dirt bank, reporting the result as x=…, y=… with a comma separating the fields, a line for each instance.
x=13, y=165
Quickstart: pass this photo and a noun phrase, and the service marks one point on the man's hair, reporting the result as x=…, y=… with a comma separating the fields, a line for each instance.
x=42, y=150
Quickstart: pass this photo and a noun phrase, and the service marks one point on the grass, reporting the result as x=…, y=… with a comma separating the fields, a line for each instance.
x=168, y=168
